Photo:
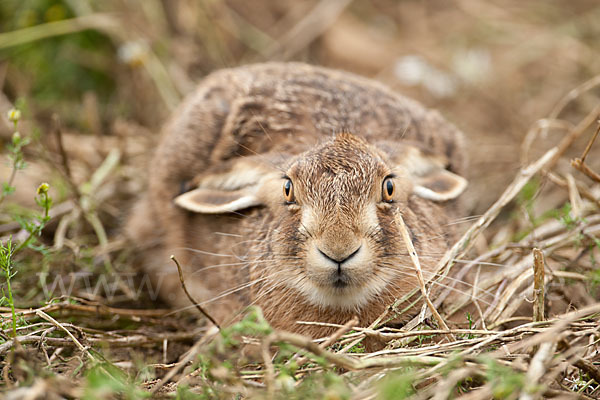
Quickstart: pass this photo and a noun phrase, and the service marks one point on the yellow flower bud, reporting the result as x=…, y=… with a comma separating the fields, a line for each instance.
x=14, y=115
x=43, y=188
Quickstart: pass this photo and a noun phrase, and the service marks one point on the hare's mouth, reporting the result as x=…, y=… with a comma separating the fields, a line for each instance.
x=340, y=280
x=340, y=293
x=339, y=283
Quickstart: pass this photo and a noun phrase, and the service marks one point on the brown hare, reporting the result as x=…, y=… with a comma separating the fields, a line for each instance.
x=280, y=184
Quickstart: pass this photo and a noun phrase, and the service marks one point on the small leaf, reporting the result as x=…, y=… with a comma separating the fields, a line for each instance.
x=7, y=189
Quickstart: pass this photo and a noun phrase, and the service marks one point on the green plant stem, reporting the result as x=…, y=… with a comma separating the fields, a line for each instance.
x=14, y=168
x=13, y=174
x=10, y=181
x=11, y=303
x=102, y=22
x=39, y=228
x=11, y=252
x=7, y=267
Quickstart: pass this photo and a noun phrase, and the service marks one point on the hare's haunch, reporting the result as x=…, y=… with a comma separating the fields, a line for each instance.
x=280, y=185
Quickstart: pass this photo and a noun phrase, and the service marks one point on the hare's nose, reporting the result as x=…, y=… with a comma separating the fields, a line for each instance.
x=340, y=258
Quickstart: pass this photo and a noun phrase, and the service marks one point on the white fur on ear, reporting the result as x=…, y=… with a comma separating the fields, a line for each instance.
x=237, y=188
x=215, y=201
x=431, y=180
x=440, y=185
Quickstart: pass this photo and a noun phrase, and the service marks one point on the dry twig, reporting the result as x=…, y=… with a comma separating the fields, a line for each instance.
x=579, y=163
x=538, y=285
x=415, y=259
x=189, y=296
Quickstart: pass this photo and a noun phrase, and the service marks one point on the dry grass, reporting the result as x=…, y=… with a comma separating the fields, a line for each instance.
x=520, y=318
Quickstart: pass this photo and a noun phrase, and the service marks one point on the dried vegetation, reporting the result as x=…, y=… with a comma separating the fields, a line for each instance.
x=93, y=82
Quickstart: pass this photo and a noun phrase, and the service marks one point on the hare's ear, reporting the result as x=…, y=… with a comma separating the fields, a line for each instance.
x=231, y=191
x=216, y=201
x=439, y=185
x=431, y=180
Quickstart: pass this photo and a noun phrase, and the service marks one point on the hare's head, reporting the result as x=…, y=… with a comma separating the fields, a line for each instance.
x=330, y=219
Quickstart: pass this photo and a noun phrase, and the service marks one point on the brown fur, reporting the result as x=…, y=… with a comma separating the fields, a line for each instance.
x=336, y=136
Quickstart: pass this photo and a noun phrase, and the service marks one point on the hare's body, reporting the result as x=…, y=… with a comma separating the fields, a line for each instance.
x=286, y=164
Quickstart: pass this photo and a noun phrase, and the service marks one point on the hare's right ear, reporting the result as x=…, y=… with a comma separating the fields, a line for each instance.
x=439, y=184
x=431, y=180
x=227, y=192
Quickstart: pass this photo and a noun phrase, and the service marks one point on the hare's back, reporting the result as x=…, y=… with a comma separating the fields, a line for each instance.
x=286, y=107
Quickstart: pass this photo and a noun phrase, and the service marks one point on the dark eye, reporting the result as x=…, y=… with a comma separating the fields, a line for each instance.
x=388, y=189
x=288, y=192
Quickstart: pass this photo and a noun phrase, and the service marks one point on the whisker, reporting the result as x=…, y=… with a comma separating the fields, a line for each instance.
x=206, y=253
x=434, y=275
x=451, y=288
x=261, y=157
x=463, y=220
x=479, y=263
x=433, y=282
x=436, y=256
x=245, y=264
x=228, y=234
x=232, y=291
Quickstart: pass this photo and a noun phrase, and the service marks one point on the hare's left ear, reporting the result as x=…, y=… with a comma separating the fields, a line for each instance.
x=216, y=201
x=228, y=191
x=431, y=180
